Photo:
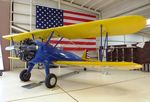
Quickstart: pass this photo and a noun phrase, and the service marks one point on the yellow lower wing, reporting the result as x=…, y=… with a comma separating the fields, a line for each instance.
x=97, y=64
x=114, y=26
x=14, y=58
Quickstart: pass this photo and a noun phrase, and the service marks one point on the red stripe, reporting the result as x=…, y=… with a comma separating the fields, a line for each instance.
x=77, y=13
x=91, y=38
x=78, y=49
x=78, y=19
x=67, y=23
x=74, y=42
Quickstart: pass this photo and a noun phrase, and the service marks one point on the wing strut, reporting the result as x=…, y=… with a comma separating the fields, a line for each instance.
x=103, y=47
x=101, y=44
x=32, y=36
x=49, y=38
x=106, y=45
x=58, y=42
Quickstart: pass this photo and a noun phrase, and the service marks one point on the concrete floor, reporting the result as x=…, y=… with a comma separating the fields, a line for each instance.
x=89, y=86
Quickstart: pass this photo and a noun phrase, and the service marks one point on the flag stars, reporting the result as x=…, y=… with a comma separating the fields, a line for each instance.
x=49, y=17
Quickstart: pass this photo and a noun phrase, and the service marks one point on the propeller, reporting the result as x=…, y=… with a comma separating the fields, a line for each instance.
x=27, y=50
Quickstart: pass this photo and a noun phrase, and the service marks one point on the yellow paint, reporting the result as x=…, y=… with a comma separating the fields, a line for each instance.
x=14, y=58
x=93, y=64
x=114, y=26
x=84, y=55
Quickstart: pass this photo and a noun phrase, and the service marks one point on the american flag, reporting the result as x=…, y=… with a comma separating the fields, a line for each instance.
x=50, y=17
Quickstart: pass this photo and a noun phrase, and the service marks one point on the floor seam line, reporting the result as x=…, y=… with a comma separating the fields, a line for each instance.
x=107, y=84
x=68, y=94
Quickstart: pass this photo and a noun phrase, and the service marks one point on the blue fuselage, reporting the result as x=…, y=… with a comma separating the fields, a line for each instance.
x=47, y=53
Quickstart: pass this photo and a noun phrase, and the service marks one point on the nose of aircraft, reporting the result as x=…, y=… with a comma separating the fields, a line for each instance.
x=27, y=50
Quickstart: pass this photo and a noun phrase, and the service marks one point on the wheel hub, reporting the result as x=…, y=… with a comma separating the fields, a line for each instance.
x=52, y=81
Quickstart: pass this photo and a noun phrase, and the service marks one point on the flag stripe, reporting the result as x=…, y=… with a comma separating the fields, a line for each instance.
x=51, y=17
x=77, y=13
x=77, y=46
x=77, y=19
x=72, y=21
x=68, y=23
x=77, y=49
x=78, y=16
x=74, y=42
x=79, y=40
x=74, y=18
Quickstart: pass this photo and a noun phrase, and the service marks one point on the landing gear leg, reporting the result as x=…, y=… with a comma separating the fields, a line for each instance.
x=51, y=79
x=25, y=74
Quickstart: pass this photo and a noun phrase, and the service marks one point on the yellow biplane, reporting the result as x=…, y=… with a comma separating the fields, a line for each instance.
x=32, y=50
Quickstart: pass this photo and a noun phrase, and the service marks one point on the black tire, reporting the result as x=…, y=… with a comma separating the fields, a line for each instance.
x=50, y=81
x=25, y=75
x=85, y=69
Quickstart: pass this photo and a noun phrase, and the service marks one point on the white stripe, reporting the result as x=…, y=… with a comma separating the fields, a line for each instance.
x=79, y=16
x=80, y=40
x=72, y=21
x=77, y=46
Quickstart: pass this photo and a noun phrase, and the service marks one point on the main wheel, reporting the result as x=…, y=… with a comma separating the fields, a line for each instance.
x=50, y=81
x=25, y=75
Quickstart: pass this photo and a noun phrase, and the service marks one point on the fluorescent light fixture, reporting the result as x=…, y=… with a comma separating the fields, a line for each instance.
x=148, y=21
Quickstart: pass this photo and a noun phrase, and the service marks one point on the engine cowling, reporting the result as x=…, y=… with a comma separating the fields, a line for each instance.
x=27, y=50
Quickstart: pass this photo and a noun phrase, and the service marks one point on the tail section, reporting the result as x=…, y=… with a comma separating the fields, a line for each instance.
x=85, y=55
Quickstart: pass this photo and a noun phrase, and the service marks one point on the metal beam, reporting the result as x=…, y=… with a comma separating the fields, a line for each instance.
x=104, y=4
x=59, y=4
x=68, y=4
x=134, y=10
x=95, y=3
x=77, y=6
x=72, y=1
x=18, y=29
x=31, y=7
x=85, y=3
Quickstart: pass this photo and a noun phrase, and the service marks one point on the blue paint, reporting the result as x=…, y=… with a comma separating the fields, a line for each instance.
x=47, y=54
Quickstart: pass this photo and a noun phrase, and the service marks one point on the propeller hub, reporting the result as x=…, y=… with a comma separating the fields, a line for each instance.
x=27, y=50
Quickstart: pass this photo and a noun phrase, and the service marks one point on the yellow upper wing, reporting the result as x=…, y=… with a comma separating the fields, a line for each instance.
x=114, y=26
x=97, y=64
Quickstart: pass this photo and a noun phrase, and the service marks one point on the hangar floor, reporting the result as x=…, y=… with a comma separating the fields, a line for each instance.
x=89, y=86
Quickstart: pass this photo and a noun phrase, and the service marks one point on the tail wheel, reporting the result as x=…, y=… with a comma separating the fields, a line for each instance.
x=50, y=80
x=85, y=69
x=25, y=75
